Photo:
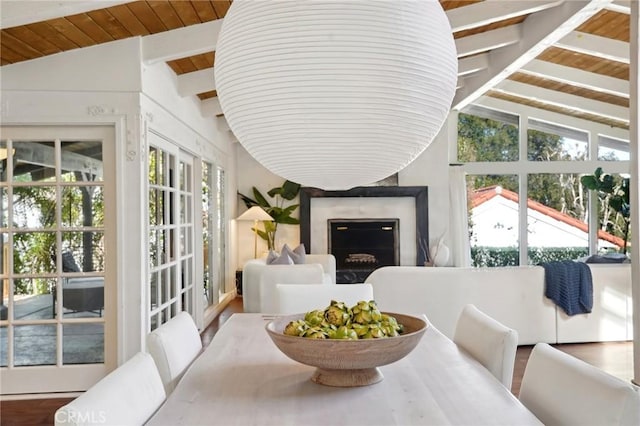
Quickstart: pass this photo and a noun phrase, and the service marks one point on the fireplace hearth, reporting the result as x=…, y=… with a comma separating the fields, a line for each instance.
x=362, y=245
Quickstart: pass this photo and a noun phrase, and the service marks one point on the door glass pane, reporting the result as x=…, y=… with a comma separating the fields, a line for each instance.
x=87, y=250
x=34, y=161
x=556, y=218
x=154, y=290
x=34, y=252
x=34, y=345
x=494, y=220
x=3, y=346
x=34, y=206
x=81, y=161
x=82, y=206
x=83, y=297
x=33, y=298
x=4, y=154
x=3, y=211
x=83, y=343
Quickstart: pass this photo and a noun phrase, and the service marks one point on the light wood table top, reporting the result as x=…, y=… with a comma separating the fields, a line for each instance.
x=243, y=379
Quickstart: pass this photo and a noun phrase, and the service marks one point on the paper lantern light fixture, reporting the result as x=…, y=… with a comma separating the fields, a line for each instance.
x=335, y=94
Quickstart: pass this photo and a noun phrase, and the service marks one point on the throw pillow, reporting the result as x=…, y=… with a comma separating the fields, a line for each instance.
x=283, y=259
x=298, y=255
x=271, y=257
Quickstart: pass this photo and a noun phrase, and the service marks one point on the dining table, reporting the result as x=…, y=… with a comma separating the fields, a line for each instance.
x=242, y=378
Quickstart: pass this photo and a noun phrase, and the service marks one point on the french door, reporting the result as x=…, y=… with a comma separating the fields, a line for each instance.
x=57, y=264
x=172, y=245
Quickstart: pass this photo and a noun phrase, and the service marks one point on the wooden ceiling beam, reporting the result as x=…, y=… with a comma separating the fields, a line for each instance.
x=539, y=31
x=484, y=42
x=473, y=64
x=210, y=107
x=196, y=82
x=491, y=11
x=577, y=77
x=594, y=45
x=620, y=6
x=181, y=42
x=553, y=97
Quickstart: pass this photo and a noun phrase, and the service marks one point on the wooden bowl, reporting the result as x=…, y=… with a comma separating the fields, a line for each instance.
x=347, y=363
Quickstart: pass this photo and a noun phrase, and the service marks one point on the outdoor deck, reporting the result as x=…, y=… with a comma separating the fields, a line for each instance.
x=36, y=344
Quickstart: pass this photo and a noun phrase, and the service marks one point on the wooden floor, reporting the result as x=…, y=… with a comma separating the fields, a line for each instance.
x=615, y=358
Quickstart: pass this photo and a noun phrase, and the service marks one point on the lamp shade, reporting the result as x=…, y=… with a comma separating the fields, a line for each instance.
x=335, y=94
x=254, y=213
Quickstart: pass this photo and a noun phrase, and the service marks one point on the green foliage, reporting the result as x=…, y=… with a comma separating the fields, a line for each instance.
x=482, y=139
x=278, y=211
x=543, y=146
x=508, y=256
x=614, y=201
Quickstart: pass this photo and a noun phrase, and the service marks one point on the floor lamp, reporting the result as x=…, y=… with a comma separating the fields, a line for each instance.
x=255, y=214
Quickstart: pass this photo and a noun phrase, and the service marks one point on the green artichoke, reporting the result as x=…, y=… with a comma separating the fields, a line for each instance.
x=314, y=318
x=343, y=332
x=315, y=333
x=366, y=312
x=338, y=314
x=296, y=328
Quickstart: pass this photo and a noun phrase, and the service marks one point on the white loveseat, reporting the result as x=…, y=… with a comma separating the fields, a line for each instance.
x=259, y=280
x=511, y=295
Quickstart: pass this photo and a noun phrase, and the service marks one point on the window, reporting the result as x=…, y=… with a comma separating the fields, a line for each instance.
x=544, y=177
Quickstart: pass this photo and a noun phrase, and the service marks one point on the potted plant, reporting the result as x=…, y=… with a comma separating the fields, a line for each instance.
x=276, y=209
x=614, y=198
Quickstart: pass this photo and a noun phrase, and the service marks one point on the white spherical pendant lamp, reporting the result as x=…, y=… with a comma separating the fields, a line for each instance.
x=335, y=94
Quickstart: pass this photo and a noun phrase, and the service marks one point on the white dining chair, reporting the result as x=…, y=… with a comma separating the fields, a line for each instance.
x=129, y=395
x=491, y=343
x=297, y=298
x=307, y=274
x=562, y=390
x=173, y=346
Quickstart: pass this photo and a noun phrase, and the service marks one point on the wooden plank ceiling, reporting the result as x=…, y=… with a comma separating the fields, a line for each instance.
x=584, y=74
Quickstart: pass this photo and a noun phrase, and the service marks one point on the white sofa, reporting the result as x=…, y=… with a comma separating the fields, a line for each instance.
x=259, y=289
x=511, y=295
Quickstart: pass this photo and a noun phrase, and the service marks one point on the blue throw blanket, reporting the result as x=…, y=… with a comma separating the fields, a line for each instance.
x=569, y=285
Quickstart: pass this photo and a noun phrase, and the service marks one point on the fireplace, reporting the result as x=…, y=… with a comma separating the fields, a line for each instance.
x=407, y=204
x=362, y=245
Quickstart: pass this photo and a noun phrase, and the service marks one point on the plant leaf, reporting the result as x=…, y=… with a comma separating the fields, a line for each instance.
x=289, y=209
x=290, y=220
x=275, y=191
x=261, y=234
x=290, y=190
x=262, y=202
x=589, y=182
x=249, y=202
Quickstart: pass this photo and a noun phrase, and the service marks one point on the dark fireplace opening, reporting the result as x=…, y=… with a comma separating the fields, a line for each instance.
x=362, y=245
